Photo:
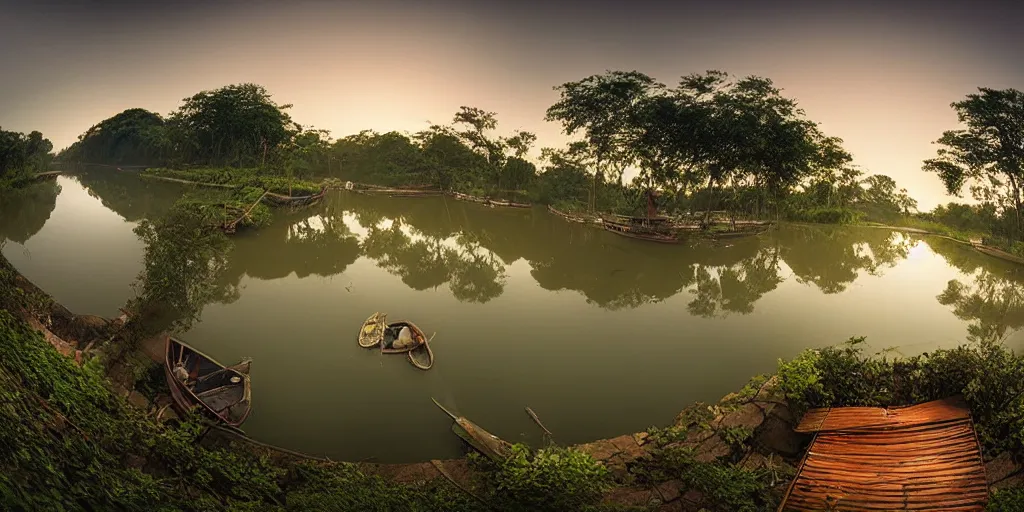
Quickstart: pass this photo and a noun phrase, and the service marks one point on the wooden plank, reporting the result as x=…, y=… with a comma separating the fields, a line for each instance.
x=922, y=457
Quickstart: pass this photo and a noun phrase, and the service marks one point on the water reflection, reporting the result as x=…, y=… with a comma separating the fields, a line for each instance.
x=990, y=296
x=434, y=242
x=832, y=258
x=24, y=212
x=735, y=288
x=127, y=195
x=430, y=243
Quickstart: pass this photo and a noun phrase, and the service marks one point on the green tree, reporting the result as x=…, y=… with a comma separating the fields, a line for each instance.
x=234, y=125
x=22, y=155
x=601, y=106
x=989, y=151
x=135, y=136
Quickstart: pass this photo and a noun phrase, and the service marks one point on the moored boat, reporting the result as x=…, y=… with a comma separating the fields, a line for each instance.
x=642, y=233
x=483, y=441
x=401, y=337
x=221, y=392
x=421, y=356
x=373, y=330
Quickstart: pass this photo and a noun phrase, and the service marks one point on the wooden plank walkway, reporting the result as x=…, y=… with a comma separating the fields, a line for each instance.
x=922, y=457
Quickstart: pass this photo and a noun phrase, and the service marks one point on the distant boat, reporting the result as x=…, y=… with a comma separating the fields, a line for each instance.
x=195, y=379
x=480, y=439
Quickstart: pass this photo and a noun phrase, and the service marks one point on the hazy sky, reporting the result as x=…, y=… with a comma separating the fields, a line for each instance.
x=877, y=75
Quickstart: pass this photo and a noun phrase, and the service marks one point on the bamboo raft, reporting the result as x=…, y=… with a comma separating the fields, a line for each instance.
x=921, y=457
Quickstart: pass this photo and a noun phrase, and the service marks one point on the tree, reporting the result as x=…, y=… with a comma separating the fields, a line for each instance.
x=135, y=136
x=988, y=151
x=600, y=106
x=520, y=143
x=447, y=159
x=236, y=124
x=22, y=155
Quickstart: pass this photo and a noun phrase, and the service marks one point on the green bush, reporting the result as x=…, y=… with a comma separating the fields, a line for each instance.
x=554, y=479
x=825, y=215
x=1006, y=500
x=988, y=375
x=240, y=178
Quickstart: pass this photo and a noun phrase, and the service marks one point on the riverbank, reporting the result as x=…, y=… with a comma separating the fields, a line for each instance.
x=737, y=454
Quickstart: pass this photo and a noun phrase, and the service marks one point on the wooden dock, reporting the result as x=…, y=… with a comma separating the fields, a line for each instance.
x=922, y=457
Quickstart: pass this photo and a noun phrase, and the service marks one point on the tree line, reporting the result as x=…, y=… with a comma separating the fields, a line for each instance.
x=710, y=142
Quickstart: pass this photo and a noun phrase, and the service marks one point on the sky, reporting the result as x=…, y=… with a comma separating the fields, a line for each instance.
x=879, y=75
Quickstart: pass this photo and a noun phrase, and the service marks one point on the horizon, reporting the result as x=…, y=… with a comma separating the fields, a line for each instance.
x=881, y=77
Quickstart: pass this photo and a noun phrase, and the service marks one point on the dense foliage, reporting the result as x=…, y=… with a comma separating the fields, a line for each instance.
x=986, y=156
x=133, y=137
x=21, y=156
x=550, y=479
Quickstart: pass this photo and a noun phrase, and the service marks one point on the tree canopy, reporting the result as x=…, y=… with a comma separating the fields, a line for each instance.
x=22, y=155
x=987, y=154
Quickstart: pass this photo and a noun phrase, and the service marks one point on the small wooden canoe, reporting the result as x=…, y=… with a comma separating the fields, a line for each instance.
x=391, y=335
x=221, y=392
x=373, y=329
x=422, y=357
x=480, y=439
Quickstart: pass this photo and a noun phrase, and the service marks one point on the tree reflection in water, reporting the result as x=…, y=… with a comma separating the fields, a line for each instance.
x=24, y=212
x=990, y=297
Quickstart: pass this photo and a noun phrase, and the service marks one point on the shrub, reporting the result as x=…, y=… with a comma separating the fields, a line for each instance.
x=554, y=479
x=826, y=215
x=988, y=375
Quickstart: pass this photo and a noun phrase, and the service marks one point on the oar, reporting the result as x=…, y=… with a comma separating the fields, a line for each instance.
x=446, y=411
x=537, y=420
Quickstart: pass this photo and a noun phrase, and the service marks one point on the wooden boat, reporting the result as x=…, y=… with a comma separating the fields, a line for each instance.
x=391, y=334
x=663, y=236
x=221, y=392
x=283, y=200
x=509, y=204
x=998, y=253
x=480, y=439
x=421, y=356
x=373, y=329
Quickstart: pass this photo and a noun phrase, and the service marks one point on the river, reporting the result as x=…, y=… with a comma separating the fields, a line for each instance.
x=600, y=335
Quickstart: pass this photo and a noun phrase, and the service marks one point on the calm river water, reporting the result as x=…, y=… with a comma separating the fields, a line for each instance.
x=600, y=335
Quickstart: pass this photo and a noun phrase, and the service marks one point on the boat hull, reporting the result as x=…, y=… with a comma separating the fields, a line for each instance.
x=212, y=390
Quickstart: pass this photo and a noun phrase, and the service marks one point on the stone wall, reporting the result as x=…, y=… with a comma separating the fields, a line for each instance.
x=752, y=428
